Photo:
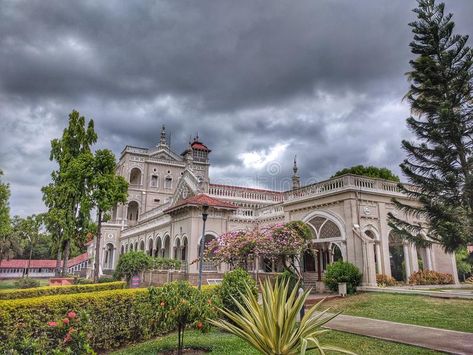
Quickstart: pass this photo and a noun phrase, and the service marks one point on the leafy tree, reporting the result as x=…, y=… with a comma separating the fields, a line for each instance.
x=439, y=160
x=370, y=171
x=107, y=189
x=67, y=196
x=30, y=231
x=131, y=264
x=9, y=244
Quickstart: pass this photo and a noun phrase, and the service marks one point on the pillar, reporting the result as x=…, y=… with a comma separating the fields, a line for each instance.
x=378, y=258
x=428, y=257
x=407, y=261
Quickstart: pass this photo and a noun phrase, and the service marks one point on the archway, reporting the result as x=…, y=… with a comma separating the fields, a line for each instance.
x=135, y=177
x=207, y=265
x=327, y=231
x=376, y=250
x=122, y=250
x=166, y=247
x=142, y=245
x=158, y=251
x=108, y=260
x=184, y=249
x=397, y=257
x=150, y=247
x=132, y=214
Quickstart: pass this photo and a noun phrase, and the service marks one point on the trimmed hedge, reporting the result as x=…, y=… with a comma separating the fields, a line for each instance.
x=117, y=317
x=59, y=290
x=342, y=271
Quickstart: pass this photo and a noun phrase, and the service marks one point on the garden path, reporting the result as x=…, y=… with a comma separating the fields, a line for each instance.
x=432, y=338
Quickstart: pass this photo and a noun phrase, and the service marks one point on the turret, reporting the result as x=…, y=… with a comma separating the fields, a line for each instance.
x=296, y=181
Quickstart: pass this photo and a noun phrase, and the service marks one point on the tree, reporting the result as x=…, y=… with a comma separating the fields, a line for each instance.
x=9, y=244
x=370, y=171
x=107, y=189
x=30, y=232
x=439, y=160
x=464, y=262
x=67, y=196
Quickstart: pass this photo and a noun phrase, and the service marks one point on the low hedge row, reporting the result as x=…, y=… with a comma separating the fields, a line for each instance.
x=59, y=290
x=429, y=277
x=116, y=317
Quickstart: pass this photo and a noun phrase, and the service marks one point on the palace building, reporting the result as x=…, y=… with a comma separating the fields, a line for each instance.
x=347, y=215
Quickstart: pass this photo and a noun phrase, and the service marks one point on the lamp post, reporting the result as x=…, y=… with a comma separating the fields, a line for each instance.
x=202, y=243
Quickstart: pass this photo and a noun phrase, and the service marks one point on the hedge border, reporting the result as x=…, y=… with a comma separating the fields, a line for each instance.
x=59, y=290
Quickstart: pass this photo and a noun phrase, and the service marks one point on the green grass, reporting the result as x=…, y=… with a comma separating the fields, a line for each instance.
x=223, y=343
x=10, y=284
x=450, y=314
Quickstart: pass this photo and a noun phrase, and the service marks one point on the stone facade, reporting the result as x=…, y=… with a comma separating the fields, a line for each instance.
x=347, y=215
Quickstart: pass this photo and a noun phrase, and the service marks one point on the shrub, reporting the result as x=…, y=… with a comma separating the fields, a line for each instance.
x=117, y=317
x=166, y=264
x=469, y=280
x=105, y=279
x=58, y=290
x=272, y=326
x=385, y=280
x=82, y=281
x=26, y=282
x=342, y=271
x=233, y=285
x=429, y=277
x=131, y=264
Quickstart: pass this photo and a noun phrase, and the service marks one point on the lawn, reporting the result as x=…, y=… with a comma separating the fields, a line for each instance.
x=223, y=343
x=10, y=284
x=451, y=314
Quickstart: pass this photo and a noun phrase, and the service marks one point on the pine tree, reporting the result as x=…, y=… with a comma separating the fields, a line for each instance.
x=439, y=158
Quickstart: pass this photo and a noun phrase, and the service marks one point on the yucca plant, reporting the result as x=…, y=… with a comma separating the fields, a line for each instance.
x=272, y=327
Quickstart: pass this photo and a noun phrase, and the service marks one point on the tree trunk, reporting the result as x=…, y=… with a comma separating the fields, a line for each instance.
x=58, y=260
x=97, y=245
x=67, y=249
x=29, y=261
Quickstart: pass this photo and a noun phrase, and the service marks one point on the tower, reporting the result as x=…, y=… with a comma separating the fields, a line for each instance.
x=296, y=181
x=162, y=139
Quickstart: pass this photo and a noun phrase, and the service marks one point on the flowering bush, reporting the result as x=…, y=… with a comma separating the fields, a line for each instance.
x=181, y=304
x=273, y=242
x=131, y=264
x=429, y=277
x=385, y=280
x=71, y=334
x=117, y=317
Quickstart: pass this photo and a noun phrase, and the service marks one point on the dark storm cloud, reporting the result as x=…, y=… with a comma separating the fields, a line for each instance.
x=256, y=80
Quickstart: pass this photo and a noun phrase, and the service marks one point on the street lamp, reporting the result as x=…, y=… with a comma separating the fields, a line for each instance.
x=202, y=243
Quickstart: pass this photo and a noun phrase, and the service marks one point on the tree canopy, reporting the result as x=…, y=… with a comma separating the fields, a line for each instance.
x=439, y=159
x=370, y=171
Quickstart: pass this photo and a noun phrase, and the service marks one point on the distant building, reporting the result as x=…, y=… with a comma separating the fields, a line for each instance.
x=347, y=216
x=15, y=268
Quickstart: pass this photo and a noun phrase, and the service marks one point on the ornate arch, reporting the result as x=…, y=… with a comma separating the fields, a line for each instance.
x=324, y=218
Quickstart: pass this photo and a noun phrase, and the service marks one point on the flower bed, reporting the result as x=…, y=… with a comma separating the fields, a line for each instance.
x=385, y=280
x=117, y=317
x=59, y=290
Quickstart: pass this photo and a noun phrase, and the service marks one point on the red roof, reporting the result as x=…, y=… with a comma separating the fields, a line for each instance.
x=199, y=146
x=42, y=263
x=203, y=200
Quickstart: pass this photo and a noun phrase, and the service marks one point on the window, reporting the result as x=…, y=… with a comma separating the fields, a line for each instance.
x=154, y=180
x=168, y=183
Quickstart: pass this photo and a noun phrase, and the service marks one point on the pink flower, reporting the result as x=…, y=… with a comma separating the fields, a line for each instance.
x=52, y=324
x=72, y=314
x=65, y=320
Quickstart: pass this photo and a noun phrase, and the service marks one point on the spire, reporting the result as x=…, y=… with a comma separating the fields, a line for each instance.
x=296, y=181
x=162, y=140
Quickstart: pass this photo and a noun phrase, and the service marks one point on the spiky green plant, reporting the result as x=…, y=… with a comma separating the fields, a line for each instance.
x=272, y=327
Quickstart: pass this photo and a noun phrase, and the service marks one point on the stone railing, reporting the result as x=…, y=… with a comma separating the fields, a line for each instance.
x=154, y=212
x=135, y=150
x=226, y=191
x=270, y=211
x=342, y=183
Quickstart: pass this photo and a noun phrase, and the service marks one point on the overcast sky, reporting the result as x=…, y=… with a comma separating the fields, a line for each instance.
x=260, y=81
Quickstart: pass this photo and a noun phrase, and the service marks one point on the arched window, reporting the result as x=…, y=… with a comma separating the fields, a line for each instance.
x=184, y=249
x=142, y=245
x=166, y=247
x=122, y=250
x=325, y=228
x=207, y=265
x=108, y=260
x=135, y=177
x=397, y=257
x=132, y=214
